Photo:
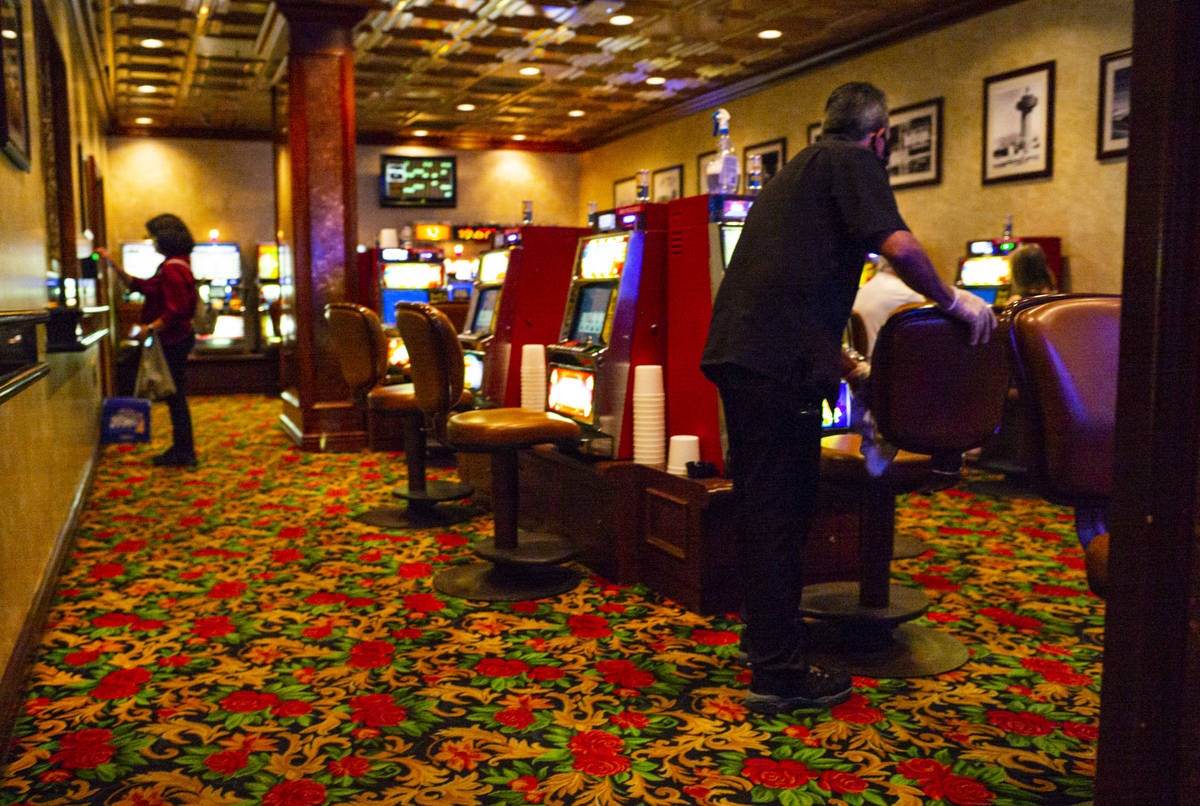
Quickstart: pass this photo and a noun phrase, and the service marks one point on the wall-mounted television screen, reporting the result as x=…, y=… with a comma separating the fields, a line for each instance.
x=418, y=181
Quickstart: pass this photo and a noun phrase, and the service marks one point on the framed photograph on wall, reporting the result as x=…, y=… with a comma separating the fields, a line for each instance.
x=1018, y=124
x=625, y=191
x=814, y=131
x=666, y=184
x=773, y=153
x=702, y=171
x=915, y=137
x=14, y=108
x=1112, y=131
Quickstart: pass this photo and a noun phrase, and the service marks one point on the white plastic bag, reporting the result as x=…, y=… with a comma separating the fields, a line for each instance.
x=153, y=376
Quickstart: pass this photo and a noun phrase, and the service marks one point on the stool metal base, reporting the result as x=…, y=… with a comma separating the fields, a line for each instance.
x=838, y=603
x=533, y=548
x=905, y=546
x=488, y=582
x=416, y=514
x=435, y=492
x=909, y=650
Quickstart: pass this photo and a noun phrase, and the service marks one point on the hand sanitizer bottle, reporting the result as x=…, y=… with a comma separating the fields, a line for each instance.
x=723, y=171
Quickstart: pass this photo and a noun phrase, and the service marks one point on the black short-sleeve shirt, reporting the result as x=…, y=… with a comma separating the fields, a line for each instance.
x=790, y=283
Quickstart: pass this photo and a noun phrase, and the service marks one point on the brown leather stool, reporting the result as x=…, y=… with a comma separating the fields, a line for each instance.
x=930, y=392
x=519, y=565
x=361, y=347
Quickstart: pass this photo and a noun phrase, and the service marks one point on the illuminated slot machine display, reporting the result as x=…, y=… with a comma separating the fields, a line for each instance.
x=460, y=278
x=408, y=275
x=985, y=271
x=704, y=231
x=270, y=326
x=614, y=321
x=217, y=268
x=140, y=259
x=481, y=314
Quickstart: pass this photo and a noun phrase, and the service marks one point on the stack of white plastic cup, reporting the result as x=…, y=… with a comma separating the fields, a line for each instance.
x=649, y=415
x=683, y=448
x=533, y=377
x=388, y=238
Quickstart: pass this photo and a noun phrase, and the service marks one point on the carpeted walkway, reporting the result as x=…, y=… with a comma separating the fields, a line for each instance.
x=227, y=635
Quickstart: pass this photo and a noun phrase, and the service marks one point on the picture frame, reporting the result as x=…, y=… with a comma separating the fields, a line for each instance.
x=625, y=191
x=14, y=105
x=774, y=156
x=813, y=131
x=701, y=174
x=666, y=184
x=1112, y=109
x=915, y=137
x=1018, y=124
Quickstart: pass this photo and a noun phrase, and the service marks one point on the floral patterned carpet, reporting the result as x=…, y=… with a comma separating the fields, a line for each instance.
x=228, y=635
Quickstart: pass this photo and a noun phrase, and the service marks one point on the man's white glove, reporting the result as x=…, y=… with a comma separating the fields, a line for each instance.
x=973, y=310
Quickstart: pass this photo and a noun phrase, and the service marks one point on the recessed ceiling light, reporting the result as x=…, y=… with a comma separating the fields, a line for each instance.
x=656, y=80
x=152, y=43
x=576, y=113
x=465, y=107
x=146, y=88
x=143, y=121
x=770, y=33
x=518, y=137
x=420, y=133
x=8, y=33
x=621, y=19
x=530, y=71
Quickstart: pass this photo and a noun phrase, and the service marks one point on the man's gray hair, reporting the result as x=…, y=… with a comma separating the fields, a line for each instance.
x=855, y=110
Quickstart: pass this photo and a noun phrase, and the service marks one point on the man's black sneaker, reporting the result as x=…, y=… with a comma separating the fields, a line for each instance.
x=783, y=689
x=171, y=458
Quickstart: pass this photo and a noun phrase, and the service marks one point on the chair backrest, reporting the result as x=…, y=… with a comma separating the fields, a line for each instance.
x=1066, y=354
x=930, y=390
x=858, y=334
x=359, y=344
x=435, y=356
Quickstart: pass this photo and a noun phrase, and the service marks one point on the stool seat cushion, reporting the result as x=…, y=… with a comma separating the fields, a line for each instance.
x=497, y=429
x=842, y=461
x=394, y=397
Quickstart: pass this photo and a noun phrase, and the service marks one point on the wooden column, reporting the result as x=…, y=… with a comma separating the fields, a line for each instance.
x=1149, y=751
x=317, y=411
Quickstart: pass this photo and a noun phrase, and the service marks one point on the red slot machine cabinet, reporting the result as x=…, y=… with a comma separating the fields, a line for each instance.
x=526, y=309
x=703, y=230
x=614, y=321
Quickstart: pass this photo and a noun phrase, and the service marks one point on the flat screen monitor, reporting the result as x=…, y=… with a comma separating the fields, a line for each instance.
x=418, y=181
x=591, y=311
x=603, y=257
x=493, y=266
x=391, y=296
x=606, y=222
x=229, y=327
x=729, y=239
x=571, y=392
x=217, y=262
x=140, y=259
x=836, y=418
x=270, y=291
x=485, y=310
x=461, y=269
x=984, y=271
x=987, y=294
x=473, y=371
x=412, y=275
x=268, y=261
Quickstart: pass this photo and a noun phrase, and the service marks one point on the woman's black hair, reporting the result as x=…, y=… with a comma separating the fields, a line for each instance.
x=1030, y=271
x=171, y=236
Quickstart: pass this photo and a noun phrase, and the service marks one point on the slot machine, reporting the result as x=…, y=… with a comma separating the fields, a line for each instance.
x=614, y=320
x=703, y=231
x=985, y=270
x=269, y=293
x=408, y=275
x=217, y=268
x=518, y=300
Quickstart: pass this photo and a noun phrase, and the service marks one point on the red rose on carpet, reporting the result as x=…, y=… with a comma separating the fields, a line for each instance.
x=786, y=774
x=1055, y=671
x=318, y=631
x=295, y=793
x=601, y=765
x=500, y=667
x=841, y=783
x=82, y=657
x=325, y=598
x=226, y=590
x=291, y=532
x=352, y=766
x=1084, y=731
x=1057, y=590
x=922, y=769
x=371, y=654
x=286, y=555
x=585, y=625
x=191, y=520
x=227, y=762
x=857, y=710
x=629, y=719
x=292, y=708
x=963, y=791
x=1024, y=723
x=415, y=570
x=424, y=602
x=526, y=783
x=935, y=582
x=524, y=607
x=245, y=702
x=115, y=620
x=1011, y=619
x=624, y=674
x=450, y=539
x=545, y=673
x=377, y=710
x=212, y=626
x=129, y=545
x=107, y=570
x=120, y=683
x=84, y=749
x=360, y=601
x=174, y=661
x=595, y=743
x=147, y=624
x=515, y=717
x=715, y=637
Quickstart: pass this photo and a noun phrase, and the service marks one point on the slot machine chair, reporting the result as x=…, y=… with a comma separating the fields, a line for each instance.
x=518, y=564
x=921, y=355
x=361, y=347
x=1065, y=351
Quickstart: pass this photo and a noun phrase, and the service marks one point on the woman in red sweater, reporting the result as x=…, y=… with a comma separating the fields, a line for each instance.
x=170, y=301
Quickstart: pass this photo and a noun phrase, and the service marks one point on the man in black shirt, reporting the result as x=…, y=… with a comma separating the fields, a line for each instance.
x=773, y=351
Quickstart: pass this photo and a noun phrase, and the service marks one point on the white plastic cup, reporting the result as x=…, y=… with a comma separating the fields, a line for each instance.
x=683, y=448
x=648, y=379
x=388, y=239
x=533, y=355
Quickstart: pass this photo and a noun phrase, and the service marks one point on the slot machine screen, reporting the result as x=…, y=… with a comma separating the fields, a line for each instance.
x=270, y=292
x=268, y=261
x=493, y=266
x=729, y=240
x=984, y=271
x=485, y=310
x=391, y=296
x=412, y=275
x=472, y=371
x=603, y=258
x=571, y=392
x=217, y=262
x=141, y=259
x=836, y=419
x=229, y=327
x=591, y=310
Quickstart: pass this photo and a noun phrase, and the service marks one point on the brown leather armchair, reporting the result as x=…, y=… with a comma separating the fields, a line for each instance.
x=1065, y=352
x=519, y=564
x=361, y=347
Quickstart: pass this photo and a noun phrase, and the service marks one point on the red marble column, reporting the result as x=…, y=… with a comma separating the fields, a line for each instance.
x=317, y=412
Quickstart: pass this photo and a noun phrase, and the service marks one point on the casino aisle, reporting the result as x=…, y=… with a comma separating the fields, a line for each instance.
x=230, y=636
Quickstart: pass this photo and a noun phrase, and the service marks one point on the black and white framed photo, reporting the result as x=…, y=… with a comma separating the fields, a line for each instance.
x=702, y=170
x=625, y=191
x=814, y=131
x=773, y=154
x=1112, y=132
x=1018, y=124
x=915, y=137
x=666, y=184
x=14, y=108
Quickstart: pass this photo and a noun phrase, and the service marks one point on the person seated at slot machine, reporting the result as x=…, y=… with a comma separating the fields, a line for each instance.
x=773, y=352
x=1030, y=272
x=879, y=297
